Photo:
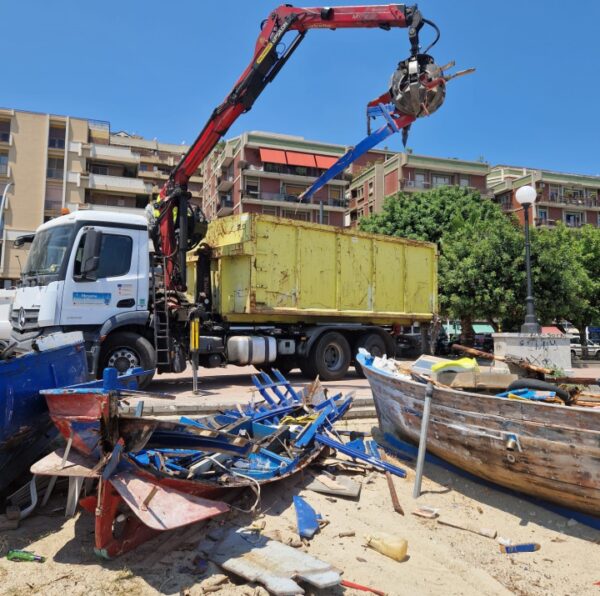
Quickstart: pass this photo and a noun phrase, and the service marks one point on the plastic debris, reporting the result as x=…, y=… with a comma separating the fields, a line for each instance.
x=24, y=555
x=426, y=512
x=307, y=518
x=355, y=586
x=529, y=547
x=388, y=545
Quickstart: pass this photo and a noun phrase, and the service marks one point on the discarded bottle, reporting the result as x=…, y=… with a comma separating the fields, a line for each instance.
x=24, y=555
x=389, y=545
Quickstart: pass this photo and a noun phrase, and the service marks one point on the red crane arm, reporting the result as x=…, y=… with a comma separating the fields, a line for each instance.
x=266, y=63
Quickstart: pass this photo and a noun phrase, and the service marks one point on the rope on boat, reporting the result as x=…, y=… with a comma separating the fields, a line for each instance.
x=256, y=491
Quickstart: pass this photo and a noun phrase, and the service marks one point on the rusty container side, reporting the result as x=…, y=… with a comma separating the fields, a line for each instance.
x=268, y=269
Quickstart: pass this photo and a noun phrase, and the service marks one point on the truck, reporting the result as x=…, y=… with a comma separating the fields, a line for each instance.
x=266, y=291
x=122, y=278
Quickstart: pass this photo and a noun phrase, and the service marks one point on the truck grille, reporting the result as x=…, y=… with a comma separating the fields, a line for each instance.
x=24, y=319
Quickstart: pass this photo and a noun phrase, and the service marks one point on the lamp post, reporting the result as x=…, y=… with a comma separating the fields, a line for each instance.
x=526, y=197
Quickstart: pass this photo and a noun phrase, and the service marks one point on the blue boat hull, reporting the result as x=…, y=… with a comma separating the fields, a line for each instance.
x=25, y=425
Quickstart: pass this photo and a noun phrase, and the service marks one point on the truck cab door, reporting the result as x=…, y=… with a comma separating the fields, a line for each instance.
x=91, y=298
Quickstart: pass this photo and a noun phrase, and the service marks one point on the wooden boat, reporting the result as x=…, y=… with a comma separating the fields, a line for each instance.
x=25, y=427
x=544, y=450
x=156, y=475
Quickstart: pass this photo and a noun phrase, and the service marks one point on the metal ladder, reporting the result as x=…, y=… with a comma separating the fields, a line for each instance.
x=162, y=334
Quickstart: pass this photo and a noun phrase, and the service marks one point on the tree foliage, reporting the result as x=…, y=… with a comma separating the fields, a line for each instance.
x=482, y=263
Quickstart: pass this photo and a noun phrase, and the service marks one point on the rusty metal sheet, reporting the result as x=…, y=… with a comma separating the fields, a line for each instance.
x=161, y=507
x=75, y=465
x=271, y=563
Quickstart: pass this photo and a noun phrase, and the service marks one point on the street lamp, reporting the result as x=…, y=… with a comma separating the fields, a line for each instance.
x=526, y=197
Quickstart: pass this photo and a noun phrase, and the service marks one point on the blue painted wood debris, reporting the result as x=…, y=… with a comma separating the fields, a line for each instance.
x=307, y=518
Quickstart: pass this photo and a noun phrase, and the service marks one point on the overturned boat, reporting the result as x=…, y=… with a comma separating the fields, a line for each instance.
x=25, y=426
x=546, y=450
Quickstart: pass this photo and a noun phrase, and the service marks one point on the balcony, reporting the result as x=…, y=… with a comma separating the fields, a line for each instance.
x=296, y=173
x=4, y=170
x=225, y=157
x=576, y=201
x=224, y=183
x=225, y=206
x=110, y=153
x=415, y=185
x=274, y=197
x=119, y=184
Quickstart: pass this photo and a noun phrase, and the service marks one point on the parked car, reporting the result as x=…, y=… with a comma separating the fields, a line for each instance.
x=408, y=345
x=577, y=349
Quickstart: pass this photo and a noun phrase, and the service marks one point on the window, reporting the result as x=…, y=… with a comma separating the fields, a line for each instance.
x=98, y=169
x=573, y=219
x=293, y=214
x=55, y=168
x=335, y=192
x=464, y=180
x=56, y=137
x=48, y=251
x=419, y=179
x=270, y=211
x=115, y=256
x=555, y=194
x=4, y=131
x=440, y=180
x=252, y=187
x=291, y=190
x=542, y=216
x=3, y=164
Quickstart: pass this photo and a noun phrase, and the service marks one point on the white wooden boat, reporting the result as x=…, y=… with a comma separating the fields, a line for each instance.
x=544, y=450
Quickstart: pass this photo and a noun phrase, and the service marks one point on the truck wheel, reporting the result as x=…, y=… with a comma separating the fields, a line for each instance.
x=125, y=351
x=330, y=357
x=373, y=343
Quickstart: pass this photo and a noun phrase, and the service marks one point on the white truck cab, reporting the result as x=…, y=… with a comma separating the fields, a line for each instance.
x=87, y=271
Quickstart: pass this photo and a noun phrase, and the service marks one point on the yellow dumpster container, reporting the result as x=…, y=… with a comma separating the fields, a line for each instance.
x=268, y=269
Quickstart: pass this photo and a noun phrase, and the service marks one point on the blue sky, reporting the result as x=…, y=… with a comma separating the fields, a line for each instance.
x=158, y=69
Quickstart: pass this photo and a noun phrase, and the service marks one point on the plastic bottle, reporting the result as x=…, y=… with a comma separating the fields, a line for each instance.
x=389, y=545
x=24, y=555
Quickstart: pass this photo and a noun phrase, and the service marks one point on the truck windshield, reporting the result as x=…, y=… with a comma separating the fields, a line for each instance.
x=48, y=251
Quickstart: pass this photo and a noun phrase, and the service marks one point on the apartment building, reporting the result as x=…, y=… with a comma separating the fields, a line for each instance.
x=407, y=172
x=55, y=162
x=262, y=172
x=569, y=198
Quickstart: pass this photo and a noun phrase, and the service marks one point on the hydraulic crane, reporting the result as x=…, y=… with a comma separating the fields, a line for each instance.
x=417, y=89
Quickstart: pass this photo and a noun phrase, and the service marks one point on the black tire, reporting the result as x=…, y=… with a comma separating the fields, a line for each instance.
x=373, y=343
x=126, y=350
x=573, y=355
x=330, y=357
x=538, y=385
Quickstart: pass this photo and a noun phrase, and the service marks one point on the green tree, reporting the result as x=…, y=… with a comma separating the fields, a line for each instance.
x=588, y=239
x=429, y=215
x=562, y=287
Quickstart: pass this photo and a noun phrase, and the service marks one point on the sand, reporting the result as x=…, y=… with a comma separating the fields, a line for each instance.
x=442, y=560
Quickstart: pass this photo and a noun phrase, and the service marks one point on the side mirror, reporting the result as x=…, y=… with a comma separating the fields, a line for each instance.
x=22, y=240
x=90, y=260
